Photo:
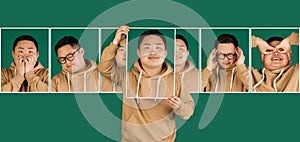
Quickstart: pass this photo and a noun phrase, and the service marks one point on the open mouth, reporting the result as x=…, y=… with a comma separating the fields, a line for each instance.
x=226, y=63
x=276, y=59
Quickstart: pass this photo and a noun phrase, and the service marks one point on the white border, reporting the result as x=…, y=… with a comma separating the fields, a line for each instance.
x=174, y=28
x=49, y=61
x=174, y=72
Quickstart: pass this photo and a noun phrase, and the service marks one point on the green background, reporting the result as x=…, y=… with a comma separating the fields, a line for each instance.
x=50, y=117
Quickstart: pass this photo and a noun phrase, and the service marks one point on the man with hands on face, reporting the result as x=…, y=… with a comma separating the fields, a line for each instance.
x=223, y=63
x=26, y=74
x=277, y=74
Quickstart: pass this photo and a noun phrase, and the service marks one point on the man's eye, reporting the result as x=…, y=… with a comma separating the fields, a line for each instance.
x=158, y=47
x=269, y=50
x=281, y=49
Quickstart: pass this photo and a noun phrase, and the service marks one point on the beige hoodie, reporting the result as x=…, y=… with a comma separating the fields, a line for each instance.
x=112, y=76
x=280, y=80
x=34, y=81
x=189, y=78
x=84, y=81
x=152, y=119
x=222, y=80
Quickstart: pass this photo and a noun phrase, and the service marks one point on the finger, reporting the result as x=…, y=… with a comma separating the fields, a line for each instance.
x=215, y=64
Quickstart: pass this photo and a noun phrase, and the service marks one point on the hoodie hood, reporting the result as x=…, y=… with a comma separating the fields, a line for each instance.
x=141, y=84
x=189, y=78
x=188, y=67
x=277, y=80
x=137, y=69
x=84, y=81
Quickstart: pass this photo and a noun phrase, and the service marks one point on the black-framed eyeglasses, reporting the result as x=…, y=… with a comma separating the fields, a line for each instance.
x=69, y=57
x=229, y=56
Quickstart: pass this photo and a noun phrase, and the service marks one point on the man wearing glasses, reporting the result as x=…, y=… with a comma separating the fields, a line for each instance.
x=78, y=74
x=220, y=73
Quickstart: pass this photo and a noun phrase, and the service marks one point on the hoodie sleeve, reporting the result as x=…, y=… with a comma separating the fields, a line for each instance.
x=37, y=83
x=187, y=107
x=205, y=79
x=10, y=84
x=107, y=60
x=243, y=73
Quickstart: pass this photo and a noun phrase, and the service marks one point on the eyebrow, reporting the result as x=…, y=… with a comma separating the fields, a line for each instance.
x=151, y=44
x=180, y=45
x=30, y=48
x=20, y=47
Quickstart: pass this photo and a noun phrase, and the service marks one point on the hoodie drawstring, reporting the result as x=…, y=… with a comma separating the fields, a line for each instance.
x=217, y=84
x=84, y=82
x=257, y=84
x=114, y=87
x=274, y=82
x=231, y=79
x=69, y=87
x=138, y=87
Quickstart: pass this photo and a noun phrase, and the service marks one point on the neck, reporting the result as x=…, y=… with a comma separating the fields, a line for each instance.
x=180, y=68
x=83, y=67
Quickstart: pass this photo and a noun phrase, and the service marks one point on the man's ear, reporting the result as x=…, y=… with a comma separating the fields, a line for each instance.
x=138, y=53
x=289, y=54
x=81, y=51
x=262, y=58
x=166, y=53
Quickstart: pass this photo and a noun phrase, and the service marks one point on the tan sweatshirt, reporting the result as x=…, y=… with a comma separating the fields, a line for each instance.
x=189, y=78
x=112, y=76
x=281, y=80
x=33, y=81
x=146, y=120
x=222, y=80
x=84, y=81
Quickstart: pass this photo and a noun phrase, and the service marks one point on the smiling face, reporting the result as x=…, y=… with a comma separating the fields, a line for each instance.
x=228, y=50
x=152, y=51
x=276, y=60
x=78, y=60
x=181, y=52
x=121, y=54
x=25, y=49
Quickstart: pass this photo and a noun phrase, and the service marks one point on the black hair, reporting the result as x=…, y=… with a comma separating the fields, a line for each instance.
x=67, y=40
x=274, y=38
x=25, y=37
x=151, y=32
x=226, y=38
x=179, y=36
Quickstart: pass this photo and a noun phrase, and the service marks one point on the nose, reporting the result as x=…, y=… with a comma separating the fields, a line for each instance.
x=276, y=53
x=68, y=62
